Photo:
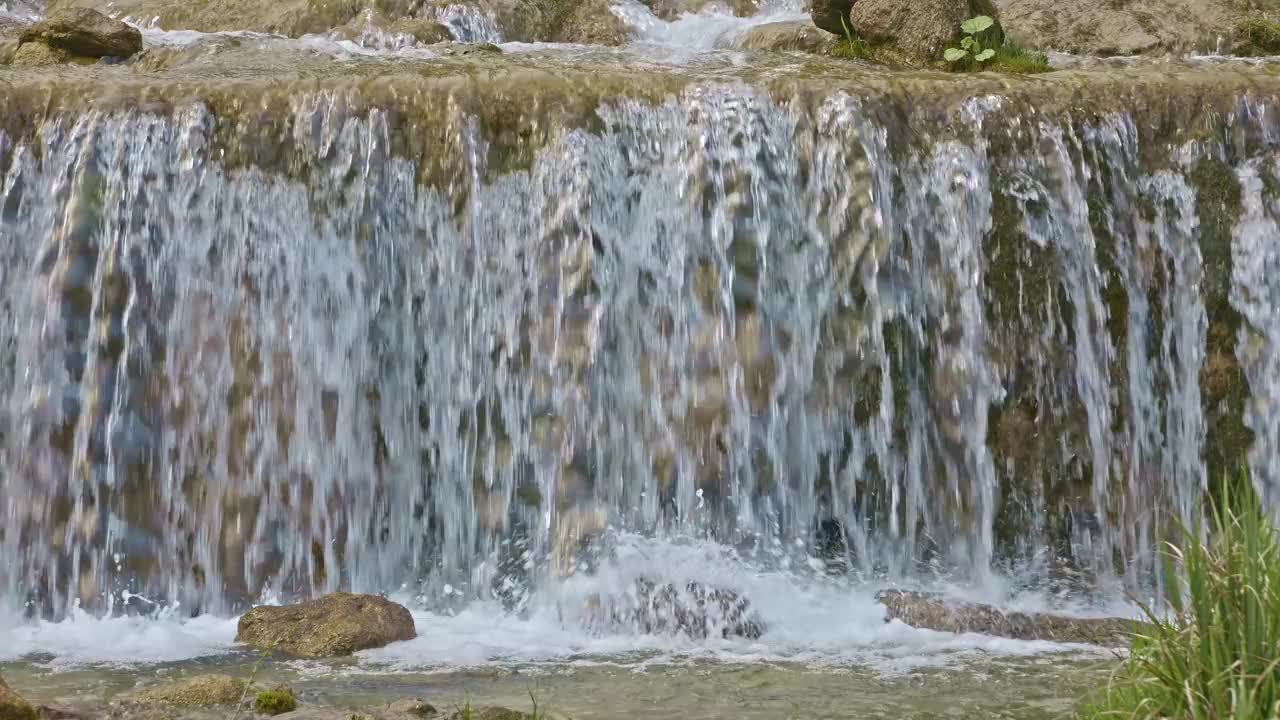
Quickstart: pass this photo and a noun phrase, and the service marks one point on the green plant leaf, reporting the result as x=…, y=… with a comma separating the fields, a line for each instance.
x=975, y=25
x=955, y=55
x=967, y=43
x=985, y=55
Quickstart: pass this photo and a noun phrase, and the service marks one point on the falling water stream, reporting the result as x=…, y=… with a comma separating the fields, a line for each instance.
x=797, y=344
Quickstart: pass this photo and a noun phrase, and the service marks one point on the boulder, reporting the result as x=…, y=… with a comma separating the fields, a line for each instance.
x=199, y=691
x=830, y=14
x=84, y=33
x=34, y=54
x=1106, y=27
x=920, y=30
x=792, y=36
x=12, y=706
x=694, y=610
x=934, y=612
x=333, y=625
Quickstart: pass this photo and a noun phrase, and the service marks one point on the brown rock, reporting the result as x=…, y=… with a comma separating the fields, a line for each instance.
x=919, y=29
x=35, y=54
x=1106, y=27
x=831, y=15
x=414, y=707
x=933, y=612
x=85, y=32
x=336, y=624
x=796, y=36
x=198, y=691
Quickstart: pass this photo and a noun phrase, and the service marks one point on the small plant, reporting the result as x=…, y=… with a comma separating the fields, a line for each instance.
x=275, y=701
x=854, y=48
x=1216, y=654
x=249, y=683
x=971, y=46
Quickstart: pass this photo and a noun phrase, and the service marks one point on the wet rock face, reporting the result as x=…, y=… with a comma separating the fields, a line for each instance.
x=85, y=33
x=12, y=706
x=831, y=15
x=919, y=29
x=695, y=610
x=199, y=691
x=334, y=625
x=933, y=612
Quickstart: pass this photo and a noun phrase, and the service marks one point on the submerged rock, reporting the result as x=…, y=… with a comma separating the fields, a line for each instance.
x=695, y=610
x=414, y=707
x=198, y=691
x=336, y=624
x=795, y=36
x=831, y=15
x=85, y=33
x=933, y=612
x=12, y=706
x=919, y=29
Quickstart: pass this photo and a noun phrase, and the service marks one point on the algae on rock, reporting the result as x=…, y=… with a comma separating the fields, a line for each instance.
x=12, y=706
x=198, y=691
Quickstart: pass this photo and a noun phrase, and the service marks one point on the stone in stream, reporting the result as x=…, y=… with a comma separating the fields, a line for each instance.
x=199, y=691
x=333, y=625
x=85, y=33
x=12, y=706
x=934, y=612
x=919, y=30
x=696, y=610
x=789, y=35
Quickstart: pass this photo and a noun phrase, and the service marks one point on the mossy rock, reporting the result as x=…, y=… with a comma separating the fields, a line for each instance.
x=198, y=691
x=12, y=706
x=37, y=54
x=933, y=612
x=275, y=701
x=334, y=625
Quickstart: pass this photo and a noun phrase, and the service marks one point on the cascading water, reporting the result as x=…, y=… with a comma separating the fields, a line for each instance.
x=802, y=329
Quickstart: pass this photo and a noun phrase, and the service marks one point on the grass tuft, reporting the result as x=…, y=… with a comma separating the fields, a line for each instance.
x=1216, y=654
x=275, y=701
x=1255, y=38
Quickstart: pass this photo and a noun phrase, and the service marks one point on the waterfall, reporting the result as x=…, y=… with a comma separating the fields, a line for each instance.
x=803, y=329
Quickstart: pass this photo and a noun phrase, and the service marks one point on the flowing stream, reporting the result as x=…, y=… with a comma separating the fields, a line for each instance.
x=799, y=343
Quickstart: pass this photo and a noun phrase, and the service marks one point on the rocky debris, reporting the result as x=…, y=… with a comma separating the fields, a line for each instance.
x=831, y=15
x=193, y=692
x=333, y=625
x=695, y=610
x=934, y=612
x=920, y=30
x=1106, y=27
x=794, y=36
x=414, y=707
x=85, y=33
x=488, y=712
x=12, y=706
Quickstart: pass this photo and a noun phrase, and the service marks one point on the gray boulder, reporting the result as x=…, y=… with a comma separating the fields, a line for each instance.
x=919, y=30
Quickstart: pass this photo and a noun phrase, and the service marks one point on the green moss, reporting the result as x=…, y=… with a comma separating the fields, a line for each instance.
x=1256, y=37
x=275, y=701
x=1223, y=388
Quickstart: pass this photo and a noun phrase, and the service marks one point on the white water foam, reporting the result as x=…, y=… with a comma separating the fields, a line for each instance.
x=810, y=620
x=710, y=29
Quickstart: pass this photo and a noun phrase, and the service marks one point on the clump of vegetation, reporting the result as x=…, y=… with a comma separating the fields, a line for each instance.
x=1257, y=37
x=854, y=48
x=972, y=48
x=980, y=51
x=275, y=701
x=1216, y=653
